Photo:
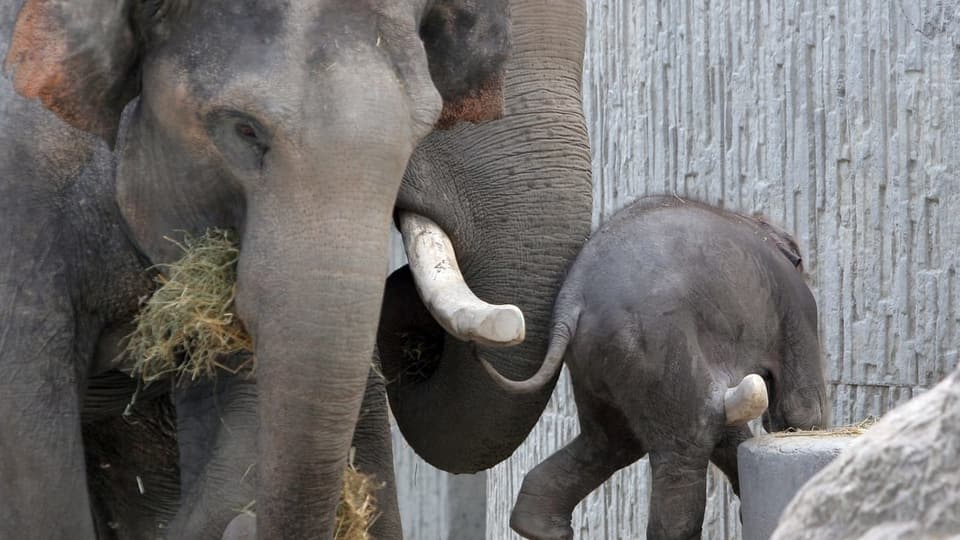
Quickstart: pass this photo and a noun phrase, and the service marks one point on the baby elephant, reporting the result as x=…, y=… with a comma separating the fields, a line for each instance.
x=677, y=321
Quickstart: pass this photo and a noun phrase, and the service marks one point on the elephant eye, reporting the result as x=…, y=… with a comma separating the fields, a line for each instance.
x=242, y=140
x=246, y=131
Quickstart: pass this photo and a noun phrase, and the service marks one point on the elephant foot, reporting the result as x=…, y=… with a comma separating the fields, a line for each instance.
x=541, y=527
x=530, y=520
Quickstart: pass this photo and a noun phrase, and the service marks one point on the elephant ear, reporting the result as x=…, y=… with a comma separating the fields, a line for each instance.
x=467, y=43
x=79, y=58
x=784, y=242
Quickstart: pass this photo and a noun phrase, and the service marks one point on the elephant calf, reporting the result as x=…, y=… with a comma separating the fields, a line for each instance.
x=677, y=321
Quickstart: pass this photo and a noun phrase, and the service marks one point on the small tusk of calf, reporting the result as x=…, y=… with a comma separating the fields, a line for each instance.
x=746, y=401
x=446, y=295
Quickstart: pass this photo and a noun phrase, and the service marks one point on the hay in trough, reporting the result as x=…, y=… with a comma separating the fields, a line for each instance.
x=187, y=326
x=855, y=429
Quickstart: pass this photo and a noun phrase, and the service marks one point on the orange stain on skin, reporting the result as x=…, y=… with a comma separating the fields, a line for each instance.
x=484, y=105
x=38, y=52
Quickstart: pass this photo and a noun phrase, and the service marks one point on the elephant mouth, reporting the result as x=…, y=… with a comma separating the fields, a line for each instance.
x=444, y=292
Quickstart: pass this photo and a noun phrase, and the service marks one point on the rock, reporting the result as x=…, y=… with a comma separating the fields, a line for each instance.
x=899, y=480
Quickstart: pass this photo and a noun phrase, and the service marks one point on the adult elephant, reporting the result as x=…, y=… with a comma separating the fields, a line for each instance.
x=291, y=123
x=525, y=193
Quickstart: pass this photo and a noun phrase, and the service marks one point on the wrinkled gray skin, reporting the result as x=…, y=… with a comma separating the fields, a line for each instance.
x=667, y=306
x=292, y=123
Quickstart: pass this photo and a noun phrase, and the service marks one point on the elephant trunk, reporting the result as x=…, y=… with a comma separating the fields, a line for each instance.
x=447, y=407
x=312, y=312
x=526, y=186
x=309, y=288
x=805, y=407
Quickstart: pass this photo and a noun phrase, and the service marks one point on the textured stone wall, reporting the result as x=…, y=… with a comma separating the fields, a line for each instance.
x=840, y=120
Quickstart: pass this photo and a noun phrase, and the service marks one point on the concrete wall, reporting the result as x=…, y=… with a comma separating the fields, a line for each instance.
x=840, y=120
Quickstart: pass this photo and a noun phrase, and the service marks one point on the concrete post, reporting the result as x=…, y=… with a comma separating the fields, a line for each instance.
x=773, y=468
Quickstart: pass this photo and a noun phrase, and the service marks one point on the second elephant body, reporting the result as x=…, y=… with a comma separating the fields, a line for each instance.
x=667, y=307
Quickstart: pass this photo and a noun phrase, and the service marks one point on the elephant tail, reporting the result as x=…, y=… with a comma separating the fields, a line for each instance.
x=560, y=336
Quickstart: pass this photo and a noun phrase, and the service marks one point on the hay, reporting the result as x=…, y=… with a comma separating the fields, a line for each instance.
x=855, y=430
x=357, y=509
x=187, y=326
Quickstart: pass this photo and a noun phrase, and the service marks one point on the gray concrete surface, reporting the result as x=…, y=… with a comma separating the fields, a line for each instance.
x=773, y=469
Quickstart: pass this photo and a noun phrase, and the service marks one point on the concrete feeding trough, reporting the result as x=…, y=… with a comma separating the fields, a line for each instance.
x=774, y=467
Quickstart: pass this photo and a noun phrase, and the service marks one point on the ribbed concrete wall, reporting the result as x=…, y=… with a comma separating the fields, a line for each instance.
x=839, y=119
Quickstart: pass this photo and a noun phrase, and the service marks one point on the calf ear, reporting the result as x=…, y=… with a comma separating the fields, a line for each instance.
x=79, y=58
x=791, y=252
x=784, y=242
x=467, y=43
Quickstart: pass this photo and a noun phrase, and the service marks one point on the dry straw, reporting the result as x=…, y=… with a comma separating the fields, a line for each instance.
x=855, y=429
x=187, y=326
x=357, y=509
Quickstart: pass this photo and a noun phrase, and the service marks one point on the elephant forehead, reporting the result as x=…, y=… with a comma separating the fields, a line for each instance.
x=282, y=43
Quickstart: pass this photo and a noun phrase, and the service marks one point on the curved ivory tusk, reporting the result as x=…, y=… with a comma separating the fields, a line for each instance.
x=445, y=293
x=746, y=401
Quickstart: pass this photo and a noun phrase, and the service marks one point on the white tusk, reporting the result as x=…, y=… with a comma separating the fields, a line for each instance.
x=746, y=401
x=445, y=293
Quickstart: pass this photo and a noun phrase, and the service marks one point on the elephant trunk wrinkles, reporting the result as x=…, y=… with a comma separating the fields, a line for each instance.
x=526, y=183
x=310, y=283
x=804, y=408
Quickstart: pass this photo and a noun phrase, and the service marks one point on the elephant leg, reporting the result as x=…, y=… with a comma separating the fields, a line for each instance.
x=553, y=488
x=217, y=434
x=42, y=469
x=132, y=465
x=374, y=456
x=679, y=494
x=218, y=476
x=724, y=456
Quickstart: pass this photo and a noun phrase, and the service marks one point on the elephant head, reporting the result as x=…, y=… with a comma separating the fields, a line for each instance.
x=794, y=378
x=292, y=123
x=515, y=198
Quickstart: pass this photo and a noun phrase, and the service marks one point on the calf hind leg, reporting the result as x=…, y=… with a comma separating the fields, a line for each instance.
x=553, y=489
x=725, y=454
x=679, y=496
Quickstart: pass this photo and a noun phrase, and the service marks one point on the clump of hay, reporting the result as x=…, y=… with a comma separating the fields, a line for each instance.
x=357, y=509
x=855, y=429
x=187, y=326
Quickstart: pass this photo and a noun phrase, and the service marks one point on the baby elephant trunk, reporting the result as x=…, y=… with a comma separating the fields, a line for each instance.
x=746, y=401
